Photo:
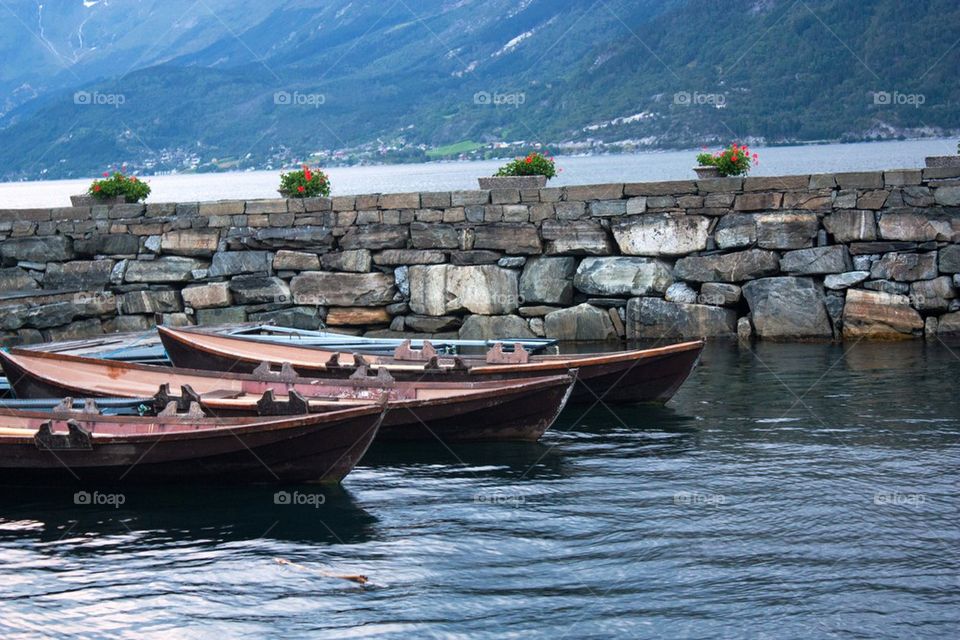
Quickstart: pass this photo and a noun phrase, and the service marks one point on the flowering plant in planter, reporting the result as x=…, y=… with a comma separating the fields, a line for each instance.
x=304, y=183
x=119, y=185
x=735, y=160
x=534, y=164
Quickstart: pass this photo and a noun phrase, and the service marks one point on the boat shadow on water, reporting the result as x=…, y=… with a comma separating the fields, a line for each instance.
x=318, y=514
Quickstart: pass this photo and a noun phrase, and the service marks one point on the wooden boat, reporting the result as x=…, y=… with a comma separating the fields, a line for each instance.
x=647, y=375
x=71, y=447
x=476, y=410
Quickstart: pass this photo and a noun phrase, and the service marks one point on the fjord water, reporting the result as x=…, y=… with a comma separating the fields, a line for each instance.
x=446, y=176
x=788, y=491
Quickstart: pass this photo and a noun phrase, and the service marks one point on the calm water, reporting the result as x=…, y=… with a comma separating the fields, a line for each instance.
x=791, y=491
x=643, y=167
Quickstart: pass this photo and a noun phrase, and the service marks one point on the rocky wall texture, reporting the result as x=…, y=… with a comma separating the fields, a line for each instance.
x=849, y=255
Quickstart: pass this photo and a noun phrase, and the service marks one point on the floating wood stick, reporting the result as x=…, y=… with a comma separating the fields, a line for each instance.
x=359, y=579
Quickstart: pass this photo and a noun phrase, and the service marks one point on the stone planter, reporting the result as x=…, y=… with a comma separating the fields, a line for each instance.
x=707, y=172
x=513, y=182
x=86, y=200
x=943, y=161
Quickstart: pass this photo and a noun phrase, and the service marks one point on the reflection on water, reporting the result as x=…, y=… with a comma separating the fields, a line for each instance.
x=788, y=491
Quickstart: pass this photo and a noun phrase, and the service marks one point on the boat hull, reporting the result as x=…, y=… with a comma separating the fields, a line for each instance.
x=300, y=450
x=452, y=411
x=646, y=376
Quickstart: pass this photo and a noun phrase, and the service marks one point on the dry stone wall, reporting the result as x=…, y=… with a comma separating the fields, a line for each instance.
x=848, y=255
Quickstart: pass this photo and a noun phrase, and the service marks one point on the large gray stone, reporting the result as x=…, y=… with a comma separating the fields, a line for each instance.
x=304, y=238
x=582, y=322
x=845, y=280
x=817, y=260
x=135, y=302
x=919, y=225
x=439, y=290
x=80, y=273
x=949, y=261
x=576, y=238
x=659, y=319
x=342, y=289
x=194, y=243
x=42, y=249
x=851, y=225
x=622, y=276
x=426, y=235
x=479, y=327
x=728, y=267
x=107, y=244
x=787, y=230
x=661, y=234
x=171, y=269
x=736, y=231
x=883, y=316
x=905, y=267
x=231, y=263
x=16, y=279
x=719, y=293
x=353, y=260
x=375, y=236
x=256, y=289
x=786, y=308
x=680, y=292
x=949, y=324
x=207, y=296
x=548, y=280
x=932, y=295
x=513, y=238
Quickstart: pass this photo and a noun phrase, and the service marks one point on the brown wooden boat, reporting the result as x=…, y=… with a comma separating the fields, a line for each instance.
x=477, y=410
x=647, y=375
x=71, y=447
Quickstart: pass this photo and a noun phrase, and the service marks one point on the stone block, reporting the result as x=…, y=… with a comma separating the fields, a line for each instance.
x=548, y=280
x=758, y=201
x=788, y=308
x=728, y=267
x=352, y=260
x=207, y=296
x=875, y=315
x=666, y=188
x=581, y=323
x=434, y=236
x=787, y=230
x=399, y=201
x=286, y=260
x=661, y=234
x=481, y=327
x=860, y=180
x=851, y=225
x=135, y=302
x=274, y=205
x=258, y=289
x=357, y=316
x=902, y=177
x=394, y=257
x=192, y=243
x=653, y=318
x=816, y=261
x=342, y=289
x=508, y=237
x=168, y=269
x=440, y=290
x=593, y=192
x=231, y=263
x=905, y=267
x=615, y=276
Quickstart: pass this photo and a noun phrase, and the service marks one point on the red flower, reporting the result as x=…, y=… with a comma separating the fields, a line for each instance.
x=106, y=174
x=306, y=173
x=301, y=188
x=96, y=187
x=754, y=156
x=529, y=160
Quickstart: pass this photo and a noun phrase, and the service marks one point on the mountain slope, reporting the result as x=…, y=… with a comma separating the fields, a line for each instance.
x=227, y=85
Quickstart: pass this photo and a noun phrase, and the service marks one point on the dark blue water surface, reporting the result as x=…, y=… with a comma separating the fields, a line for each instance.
x=788, y=491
